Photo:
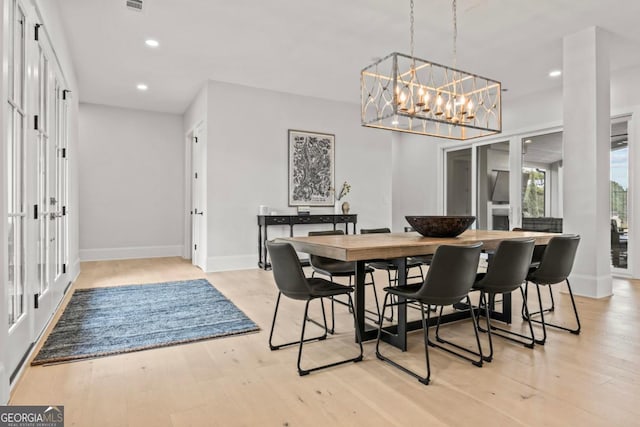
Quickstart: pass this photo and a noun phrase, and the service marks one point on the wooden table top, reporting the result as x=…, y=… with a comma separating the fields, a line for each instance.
x=360, y=247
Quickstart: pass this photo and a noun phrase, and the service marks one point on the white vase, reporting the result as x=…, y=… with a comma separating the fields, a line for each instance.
x=337, y=208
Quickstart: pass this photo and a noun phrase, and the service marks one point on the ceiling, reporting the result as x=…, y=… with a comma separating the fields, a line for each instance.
x=317, y=48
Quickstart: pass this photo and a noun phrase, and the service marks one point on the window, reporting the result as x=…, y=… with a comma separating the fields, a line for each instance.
x=533, y=192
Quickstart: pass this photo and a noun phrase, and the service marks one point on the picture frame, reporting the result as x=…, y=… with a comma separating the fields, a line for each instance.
x=311, y=168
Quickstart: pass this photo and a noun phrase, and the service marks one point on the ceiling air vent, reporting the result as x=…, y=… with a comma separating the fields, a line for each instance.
x=135, y=5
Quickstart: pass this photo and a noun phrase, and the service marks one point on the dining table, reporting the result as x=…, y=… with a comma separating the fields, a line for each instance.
x=363, y=248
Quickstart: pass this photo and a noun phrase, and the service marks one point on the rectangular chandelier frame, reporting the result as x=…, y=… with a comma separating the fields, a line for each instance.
x=407, y=94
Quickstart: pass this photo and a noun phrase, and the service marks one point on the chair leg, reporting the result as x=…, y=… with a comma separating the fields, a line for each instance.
x=333, y=315
x=273, y=323
x=478, y=362
x=483, y=299
x=575, y=331
x=530, y=340
x=544, y=326
x=546, y=310
x=376, y=314
x=375, y=296
x=379, y=355
x=425, y=331
x=358, y=358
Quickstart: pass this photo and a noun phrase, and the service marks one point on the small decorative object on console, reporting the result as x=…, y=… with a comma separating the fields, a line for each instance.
x=304, y=210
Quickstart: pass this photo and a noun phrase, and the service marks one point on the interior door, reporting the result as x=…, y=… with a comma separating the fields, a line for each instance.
x=50, y=209
x=198, y=217
x=15, y=281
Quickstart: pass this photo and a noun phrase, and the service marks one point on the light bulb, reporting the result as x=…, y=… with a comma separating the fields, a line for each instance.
x=420, y=102
x=470, y=114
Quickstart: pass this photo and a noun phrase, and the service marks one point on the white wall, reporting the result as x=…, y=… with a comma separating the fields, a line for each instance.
x=247, y=164
x=415, y=177
x=131, y=183
x=197, y=111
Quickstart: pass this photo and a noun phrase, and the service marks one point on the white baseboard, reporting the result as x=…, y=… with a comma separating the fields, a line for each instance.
x=130, y=253
x=74, y=271
x=234, y=262
x=591, y=286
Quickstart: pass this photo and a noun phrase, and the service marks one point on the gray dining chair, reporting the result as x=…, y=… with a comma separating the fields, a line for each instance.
x=449, y=280
x=555, y=267
x=507, y=271
x=292, y=283
x=391, y=267
x=336, y=268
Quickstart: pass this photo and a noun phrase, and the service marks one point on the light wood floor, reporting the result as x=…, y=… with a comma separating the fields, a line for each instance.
x=590, y=379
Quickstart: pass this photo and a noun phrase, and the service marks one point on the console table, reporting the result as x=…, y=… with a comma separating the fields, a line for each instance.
x=264, y=221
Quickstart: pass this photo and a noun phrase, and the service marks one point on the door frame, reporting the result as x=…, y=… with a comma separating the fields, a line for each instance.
x=198, y=129
x=515, y=158
x=515, y=137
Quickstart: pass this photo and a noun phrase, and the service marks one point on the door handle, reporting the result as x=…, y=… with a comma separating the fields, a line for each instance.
x=195, y=211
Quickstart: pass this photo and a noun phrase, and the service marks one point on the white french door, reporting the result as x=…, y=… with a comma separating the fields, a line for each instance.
x=50, y=210
x=36, y=172
x=20, y=312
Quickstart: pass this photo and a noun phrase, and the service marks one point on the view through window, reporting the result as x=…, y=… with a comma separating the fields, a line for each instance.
x=619, y=167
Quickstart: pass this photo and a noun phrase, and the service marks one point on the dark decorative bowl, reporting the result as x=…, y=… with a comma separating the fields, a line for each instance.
x=440, y=226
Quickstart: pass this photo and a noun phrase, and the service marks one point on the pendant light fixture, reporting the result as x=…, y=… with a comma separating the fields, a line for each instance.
x=407, y=94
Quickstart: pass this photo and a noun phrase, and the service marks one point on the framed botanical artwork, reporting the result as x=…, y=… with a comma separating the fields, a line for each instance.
x=311, y=168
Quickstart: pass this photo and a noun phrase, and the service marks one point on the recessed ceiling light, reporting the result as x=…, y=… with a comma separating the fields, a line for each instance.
x=152, y=43
x=142, y=86
x=555, y=73
x=528, y=141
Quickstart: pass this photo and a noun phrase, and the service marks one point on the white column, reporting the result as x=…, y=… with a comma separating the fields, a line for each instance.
x=586, y=111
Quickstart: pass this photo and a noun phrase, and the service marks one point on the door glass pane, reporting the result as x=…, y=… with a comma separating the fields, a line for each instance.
x=618, y=194
x=10, y=46
x=19, y=55
x=493, y=186
x=542, y=182
x=458, y=182
x=534, y=186
x=15, y=248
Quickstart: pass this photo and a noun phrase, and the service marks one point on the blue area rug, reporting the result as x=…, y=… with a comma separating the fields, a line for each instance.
x=121, y=319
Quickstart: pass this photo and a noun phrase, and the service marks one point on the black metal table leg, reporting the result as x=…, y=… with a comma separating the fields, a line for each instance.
x=359, y=302
x=398, y=338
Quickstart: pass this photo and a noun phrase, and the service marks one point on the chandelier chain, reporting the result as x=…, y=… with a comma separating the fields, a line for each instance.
x=411, y=26
x=455, y=35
